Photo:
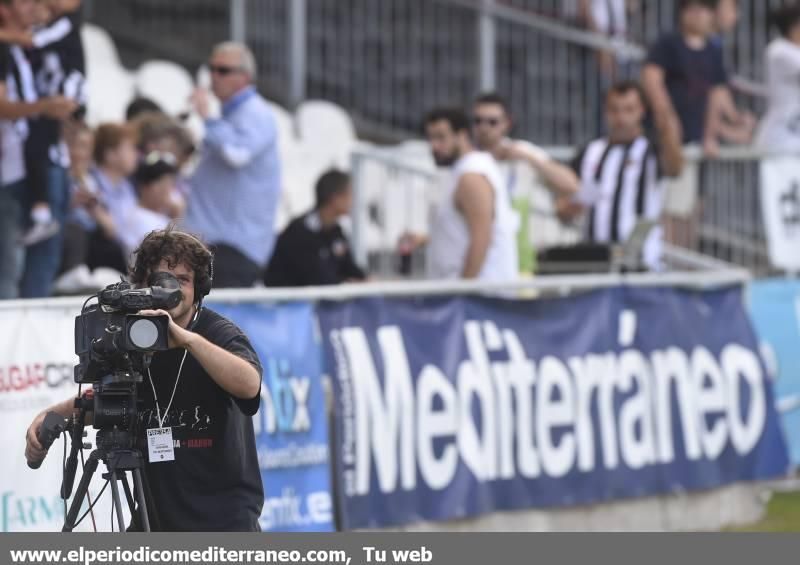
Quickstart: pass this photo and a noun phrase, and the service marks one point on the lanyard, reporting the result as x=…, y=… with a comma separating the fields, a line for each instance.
x=171, y=398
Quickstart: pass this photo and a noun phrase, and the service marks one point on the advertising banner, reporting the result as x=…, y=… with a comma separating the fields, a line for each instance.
x=775, y=309
x=37, y=356
x=291, y=425
x=448, y=408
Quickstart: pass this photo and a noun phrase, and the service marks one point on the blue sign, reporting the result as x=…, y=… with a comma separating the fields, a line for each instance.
x=448, y=408
x=775, y=309
x=291, y=426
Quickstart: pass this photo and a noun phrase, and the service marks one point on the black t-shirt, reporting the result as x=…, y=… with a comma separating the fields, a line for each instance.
x=306, y=254
x=689, y=75
x=214, y=483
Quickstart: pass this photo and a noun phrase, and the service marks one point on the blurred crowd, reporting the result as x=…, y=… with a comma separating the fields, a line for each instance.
x=75, y=201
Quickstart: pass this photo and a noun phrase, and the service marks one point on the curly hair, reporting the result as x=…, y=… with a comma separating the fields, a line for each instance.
x=175, y=247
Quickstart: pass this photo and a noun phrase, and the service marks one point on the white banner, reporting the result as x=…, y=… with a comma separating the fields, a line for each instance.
x=780, y=203
x=36, y=371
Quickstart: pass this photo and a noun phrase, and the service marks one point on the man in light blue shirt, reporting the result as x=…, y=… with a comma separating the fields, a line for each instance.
x=237, y=184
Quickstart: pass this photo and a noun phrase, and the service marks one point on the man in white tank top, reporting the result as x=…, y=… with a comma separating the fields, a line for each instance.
x=473, y=228
x=780, y=127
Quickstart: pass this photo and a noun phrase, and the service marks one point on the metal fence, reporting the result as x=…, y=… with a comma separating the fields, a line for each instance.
x=387, y=61
x=712, y=213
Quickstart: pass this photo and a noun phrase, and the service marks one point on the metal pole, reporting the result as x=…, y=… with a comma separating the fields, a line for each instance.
x=238, y=20
x=487, y=47
x=297, y=52
x=359, y=213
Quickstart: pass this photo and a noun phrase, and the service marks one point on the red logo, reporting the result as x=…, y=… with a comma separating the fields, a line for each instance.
x=20, y=378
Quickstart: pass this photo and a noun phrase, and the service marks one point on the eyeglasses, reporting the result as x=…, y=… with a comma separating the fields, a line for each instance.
x=155, y=157
x=224, y=70
x=479, y=120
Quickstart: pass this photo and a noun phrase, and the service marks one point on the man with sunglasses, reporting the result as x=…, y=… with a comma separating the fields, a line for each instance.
x=523, y=165
x=236, y=186
x=491, y=125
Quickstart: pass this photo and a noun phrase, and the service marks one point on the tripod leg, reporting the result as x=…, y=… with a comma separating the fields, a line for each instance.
x=117, y=503
x=127, y=489
x=80, y=494
x=139, y=488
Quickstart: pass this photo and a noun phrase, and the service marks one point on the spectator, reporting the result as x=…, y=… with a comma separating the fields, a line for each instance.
x=685, y=74
x=141, y=105
x=155, y=183
x=621, y=173
x=473, y=233
x=780, y=126
x=58, y=65
x=83, y=204
x=237, y=183
x=159, y=132
x=18, y=103
x=522, y=164
x=610, y=18
x=115, y=160
x=313, y=249
x=491, y=124
x=725, y=19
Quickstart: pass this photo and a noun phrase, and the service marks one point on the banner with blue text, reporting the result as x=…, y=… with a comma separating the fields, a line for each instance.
x=291, y=426
x=775, y=309
x=454, y=407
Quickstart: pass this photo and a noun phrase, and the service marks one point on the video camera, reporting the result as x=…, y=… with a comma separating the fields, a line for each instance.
x=115, y=345
x=112, y=338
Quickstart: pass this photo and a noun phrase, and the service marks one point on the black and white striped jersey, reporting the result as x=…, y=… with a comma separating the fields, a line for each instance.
x=621, y=184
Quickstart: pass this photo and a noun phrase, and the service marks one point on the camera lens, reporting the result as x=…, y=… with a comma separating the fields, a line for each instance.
x=143, y=333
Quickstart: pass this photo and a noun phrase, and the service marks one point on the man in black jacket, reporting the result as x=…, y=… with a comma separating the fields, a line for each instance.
x=313, y=250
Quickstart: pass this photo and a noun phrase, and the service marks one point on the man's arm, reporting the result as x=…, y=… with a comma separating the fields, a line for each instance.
x=33, y=449
x=669, y=143
x=474, y=198
x=655, y=89
x=56, y=107
x=559, y=178
x=232, y=373
x=724, y=120
x=237, y=145
x=12, y=36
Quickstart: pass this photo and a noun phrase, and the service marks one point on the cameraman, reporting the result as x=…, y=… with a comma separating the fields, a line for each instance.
x=205, y=388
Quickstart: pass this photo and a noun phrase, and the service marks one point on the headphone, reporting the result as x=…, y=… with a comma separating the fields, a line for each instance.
x=201, y=289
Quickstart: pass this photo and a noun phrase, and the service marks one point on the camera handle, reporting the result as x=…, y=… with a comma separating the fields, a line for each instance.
x=77, y=434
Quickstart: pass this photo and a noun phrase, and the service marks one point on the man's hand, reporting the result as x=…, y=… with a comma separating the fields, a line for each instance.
x=568, y=210
x=711, y=147
x=58, y=107
x=201, y=103
x=178, y=337
x=34, y=452
x=410, y=242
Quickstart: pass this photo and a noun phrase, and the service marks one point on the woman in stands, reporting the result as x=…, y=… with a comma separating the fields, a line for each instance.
x=780, y=127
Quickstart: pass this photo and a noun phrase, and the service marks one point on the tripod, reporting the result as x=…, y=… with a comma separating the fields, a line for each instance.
x=117, y=461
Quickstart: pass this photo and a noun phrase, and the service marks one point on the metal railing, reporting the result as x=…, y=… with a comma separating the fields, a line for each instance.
x=388, y=61
x=544, y=286
x=712, y=214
